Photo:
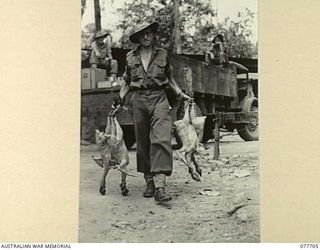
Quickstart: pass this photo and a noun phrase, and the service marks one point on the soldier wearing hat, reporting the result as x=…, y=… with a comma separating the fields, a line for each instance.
x=101, y=55
x=218, y=54
x=147, y=74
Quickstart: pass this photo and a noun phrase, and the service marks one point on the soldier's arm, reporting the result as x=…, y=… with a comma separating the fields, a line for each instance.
x=125, y=87
x=173, y=84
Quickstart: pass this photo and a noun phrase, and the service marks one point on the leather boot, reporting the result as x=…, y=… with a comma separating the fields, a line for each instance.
x=161, y=195
x=150, y=189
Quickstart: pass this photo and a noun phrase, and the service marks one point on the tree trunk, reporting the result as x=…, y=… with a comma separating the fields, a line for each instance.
x=97, y=14
x=176, y=30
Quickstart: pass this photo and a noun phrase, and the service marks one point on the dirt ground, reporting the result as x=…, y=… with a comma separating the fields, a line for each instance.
x=223, y=207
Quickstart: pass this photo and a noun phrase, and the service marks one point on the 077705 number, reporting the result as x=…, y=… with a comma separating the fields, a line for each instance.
x=309, y=245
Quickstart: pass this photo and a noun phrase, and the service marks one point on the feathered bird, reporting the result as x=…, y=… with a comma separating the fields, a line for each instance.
x=114, y=153
x=188, y=136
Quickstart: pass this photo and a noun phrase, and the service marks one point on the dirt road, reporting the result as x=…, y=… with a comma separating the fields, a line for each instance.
x=198, y=211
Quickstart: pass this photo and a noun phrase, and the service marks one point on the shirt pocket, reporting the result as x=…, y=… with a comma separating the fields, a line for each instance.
x=159, y=69
x=136, y=70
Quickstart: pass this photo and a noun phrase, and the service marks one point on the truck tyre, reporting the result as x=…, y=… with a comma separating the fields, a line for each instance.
x=250, y=131
x=129, y=136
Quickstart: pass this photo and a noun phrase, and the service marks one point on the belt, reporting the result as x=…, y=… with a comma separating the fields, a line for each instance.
x=148, y=91
x=148, y=88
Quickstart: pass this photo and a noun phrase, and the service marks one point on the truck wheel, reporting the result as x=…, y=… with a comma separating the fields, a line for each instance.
x=250, y=131
x=129, y=136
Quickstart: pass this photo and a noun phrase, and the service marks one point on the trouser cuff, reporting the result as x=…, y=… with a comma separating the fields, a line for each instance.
x=148, y=177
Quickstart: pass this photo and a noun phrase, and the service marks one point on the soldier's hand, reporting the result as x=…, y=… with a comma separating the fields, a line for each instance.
x=185, y=97
x=118, y=102
x=107, y=60
x=94, y=66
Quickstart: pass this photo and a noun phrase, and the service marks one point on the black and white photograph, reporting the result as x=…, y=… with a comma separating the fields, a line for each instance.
x=169, y=122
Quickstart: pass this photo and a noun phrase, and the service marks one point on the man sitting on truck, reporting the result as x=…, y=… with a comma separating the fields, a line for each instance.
x=218, y=54
x=101, y=55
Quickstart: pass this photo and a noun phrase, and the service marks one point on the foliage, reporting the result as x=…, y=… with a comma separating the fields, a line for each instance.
x=238, y=34
x=196, y=25
x=87, y=36
x=138, y=11
x=192, y=15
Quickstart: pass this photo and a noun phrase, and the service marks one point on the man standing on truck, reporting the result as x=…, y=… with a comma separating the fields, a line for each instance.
x=147, y=74
x=101, y=55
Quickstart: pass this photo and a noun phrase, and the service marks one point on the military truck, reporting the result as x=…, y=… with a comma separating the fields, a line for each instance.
x=229, y=91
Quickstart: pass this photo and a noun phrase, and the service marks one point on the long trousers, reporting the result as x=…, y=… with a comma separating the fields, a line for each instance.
x=152, y=122
x=111, y=66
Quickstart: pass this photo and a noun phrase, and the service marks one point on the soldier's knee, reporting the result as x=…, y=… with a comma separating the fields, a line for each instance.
x=114, y=63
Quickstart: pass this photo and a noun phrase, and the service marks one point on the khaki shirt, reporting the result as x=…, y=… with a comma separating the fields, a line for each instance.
x=215, y=56
x=100, y=52
x=157, y=73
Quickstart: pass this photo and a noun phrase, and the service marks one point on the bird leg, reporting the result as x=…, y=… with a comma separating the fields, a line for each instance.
x=192, y=172
x=106, y=168
x=198, y=168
